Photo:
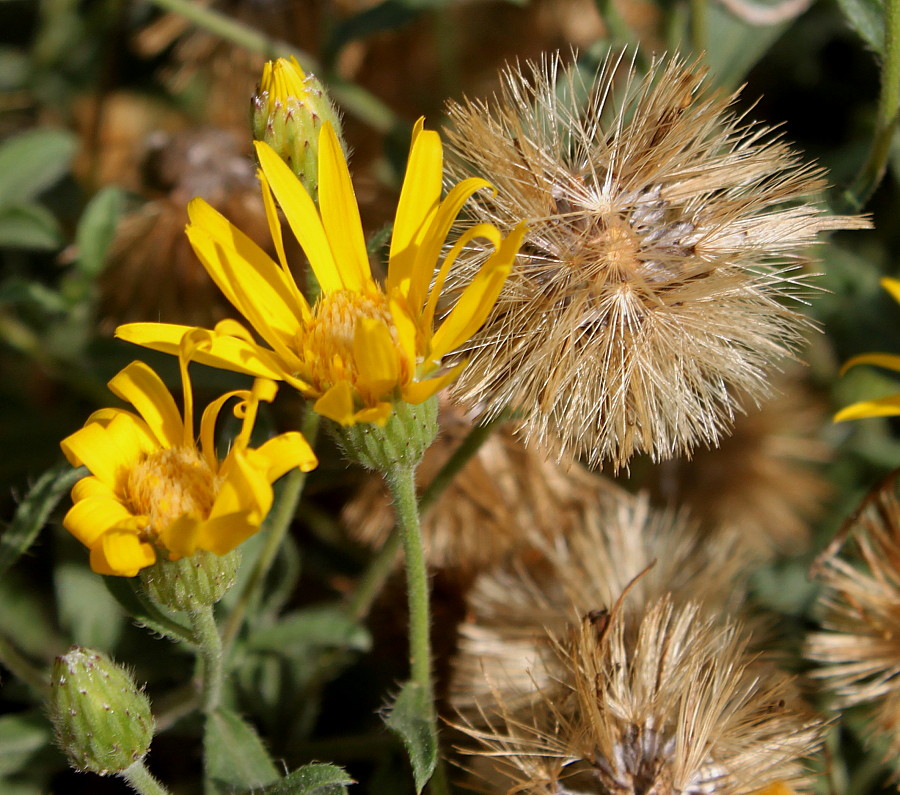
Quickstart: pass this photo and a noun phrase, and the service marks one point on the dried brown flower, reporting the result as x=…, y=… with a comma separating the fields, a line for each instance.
x=504, y=498
x=860, y=647
x=657, y=280
x=764, y=480
x=516, y=610
x=664, y=701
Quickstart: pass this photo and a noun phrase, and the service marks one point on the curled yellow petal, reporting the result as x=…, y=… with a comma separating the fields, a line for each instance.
x=887, y=360
x=285, y=452
x=144, y=389
x=121, y=553
x=881, y=407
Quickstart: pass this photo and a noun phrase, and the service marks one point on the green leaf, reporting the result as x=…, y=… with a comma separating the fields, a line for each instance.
x=21, y=737
x=235, y=756
x=87, y=611
x=866, y=17
x=97, y=228
x=29, y=226
x=33, y=161
x=326, y=626
x=313, y=779
x=412, y=717
x=33, y=511
x=127, y=592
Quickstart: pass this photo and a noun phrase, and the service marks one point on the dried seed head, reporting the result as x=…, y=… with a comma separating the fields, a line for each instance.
x=516, y=611
x=665, y=233
x=660, y=702
x=860, y=646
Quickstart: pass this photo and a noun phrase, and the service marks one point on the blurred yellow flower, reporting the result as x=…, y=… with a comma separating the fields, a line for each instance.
x=152, y=488
x=362, y=346
x=880, y=407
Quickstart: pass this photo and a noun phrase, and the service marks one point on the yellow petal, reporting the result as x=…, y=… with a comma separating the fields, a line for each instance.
x=419, y=391
x=882, y=407
x=227, y=353
x=407, y=337
x=109, y=451
x=890, y=361
x=376, y=357
x=433, y=239
x=92, y=487
x=244, y=487
x=286, y=451
x=223, y=533
x=121, y=554
x=179, y=537
x=91, y=517
x=337, y=404
x=477, y=300
x=378, y=414
x=340, y=213
x=892, y=286
x=139, y=385
x=302, y=217
x=419, y=199
x=208, y=423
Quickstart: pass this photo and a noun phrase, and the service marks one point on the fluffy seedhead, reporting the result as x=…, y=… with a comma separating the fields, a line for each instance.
x=660, y=702
x=859, y=648
x=661, y=271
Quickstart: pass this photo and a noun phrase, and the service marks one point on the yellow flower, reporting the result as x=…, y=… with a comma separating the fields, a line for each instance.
x=153, y=488
x=880, y=407
x=362, y=346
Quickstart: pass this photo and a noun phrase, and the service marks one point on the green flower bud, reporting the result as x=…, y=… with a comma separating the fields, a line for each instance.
x=101, y=718
x=288, y=111
x=402, y=440
x=199, y=579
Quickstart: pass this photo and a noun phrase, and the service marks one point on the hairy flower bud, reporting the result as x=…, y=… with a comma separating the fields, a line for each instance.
x=185, y=584
x=288, y=110
x=101, y=718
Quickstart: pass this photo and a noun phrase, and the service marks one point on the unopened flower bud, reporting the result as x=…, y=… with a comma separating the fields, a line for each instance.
x=288, y=111
x=101, y=718
x=402, y=440
x=187, y=583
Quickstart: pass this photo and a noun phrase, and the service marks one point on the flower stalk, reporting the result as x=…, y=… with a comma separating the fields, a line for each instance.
x=142, y=781
x=203, y=622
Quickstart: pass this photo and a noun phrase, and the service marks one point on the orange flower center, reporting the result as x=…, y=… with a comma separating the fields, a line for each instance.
x=169, y=484
x=327, y=342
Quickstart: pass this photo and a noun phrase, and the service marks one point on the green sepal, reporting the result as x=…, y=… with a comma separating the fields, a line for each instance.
x=200, y=579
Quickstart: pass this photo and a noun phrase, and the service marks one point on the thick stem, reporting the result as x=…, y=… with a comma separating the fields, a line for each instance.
x=142, y=781
x=280, y=524
x=872, y=171
x=354, y=98
x=203, y=622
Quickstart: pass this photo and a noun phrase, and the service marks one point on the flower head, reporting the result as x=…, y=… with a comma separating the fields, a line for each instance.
x=879, y=407
x=662, y=701
x=860, y=647
x=153, y=489
x=664, y=233
x=361, y=346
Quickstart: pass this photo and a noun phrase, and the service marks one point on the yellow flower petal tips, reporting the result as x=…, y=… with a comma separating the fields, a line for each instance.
x=880, y=407
x=362, y=346
x=153, y=489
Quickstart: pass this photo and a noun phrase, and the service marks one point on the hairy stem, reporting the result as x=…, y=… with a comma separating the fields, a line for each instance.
x=203, y=622
x=142, y=781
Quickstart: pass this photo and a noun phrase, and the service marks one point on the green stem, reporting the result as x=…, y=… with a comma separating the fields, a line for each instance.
x=142, y=781
x=872, y=171
x=402, y=482
x=203, y=622
x=282, y=517
x=359, y=102
x=23, y=670
x=382, y=563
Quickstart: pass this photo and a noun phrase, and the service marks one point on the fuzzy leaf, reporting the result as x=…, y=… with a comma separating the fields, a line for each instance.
x=317, y=627
x=97, y=227
x=33, y=511
x=313, y=779
x=235, y=756
x=127, y=592
x=33, y=161
x=411, y=717
x=29, y=226
x=866, y=17
x=21, y=737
